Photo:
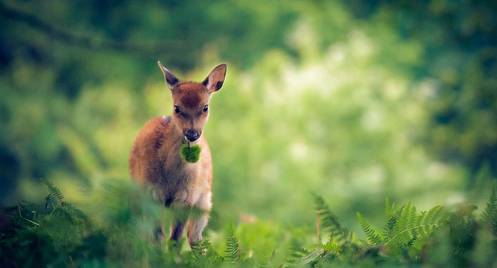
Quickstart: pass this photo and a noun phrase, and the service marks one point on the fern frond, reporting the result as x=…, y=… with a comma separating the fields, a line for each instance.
x=74, y=214
x=54, y=190
x=374, y=237
x=295, y=255
x=55, y=198
x=312, y=256
x=201, y=248
x=203, y=251
x=390, y=208
x=427, y=221
x=403, y=230
x=390, y=225
x=232, y=251
x=489, y=215
x=410, y=226
x=51, y=202
x=329, y=221
x=333, y=247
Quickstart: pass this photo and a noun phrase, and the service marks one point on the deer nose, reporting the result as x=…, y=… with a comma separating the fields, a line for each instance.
x=192, y=135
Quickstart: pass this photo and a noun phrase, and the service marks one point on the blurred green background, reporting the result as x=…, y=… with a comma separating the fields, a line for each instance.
x=353, y=100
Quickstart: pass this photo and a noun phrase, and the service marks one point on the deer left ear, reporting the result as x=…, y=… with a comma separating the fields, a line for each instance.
x=171, y=79
x=215, y=80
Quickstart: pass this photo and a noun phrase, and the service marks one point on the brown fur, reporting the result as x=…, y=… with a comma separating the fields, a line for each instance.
x=190, y=97
x=155, y=158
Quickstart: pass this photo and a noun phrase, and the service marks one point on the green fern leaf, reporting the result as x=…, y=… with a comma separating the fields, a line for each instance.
x=74, y=214
x=390, y=226
x=333, y=247
x=201, y=248
x=312, y=256
x=412, y=226
x=295, y=254
x=329, y=221
x=373, y=236
x=403, y=231
x=54, y=190
x=429, y=220
x=232, y=251
x=51, y=202
x=390, y=208
x=54, y=199
x=203, y=252
x=489, y=215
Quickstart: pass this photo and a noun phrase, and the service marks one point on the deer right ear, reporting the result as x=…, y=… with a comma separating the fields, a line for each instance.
x=215, y=80
x=171, y=80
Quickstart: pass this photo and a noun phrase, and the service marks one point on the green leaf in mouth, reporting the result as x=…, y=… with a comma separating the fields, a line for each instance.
x=190, y=153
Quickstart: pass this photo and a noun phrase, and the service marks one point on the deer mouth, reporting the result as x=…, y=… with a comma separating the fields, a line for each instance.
x=190, y=142
x=192, y=135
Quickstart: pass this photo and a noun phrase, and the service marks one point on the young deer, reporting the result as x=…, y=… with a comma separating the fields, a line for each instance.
x=155, y=157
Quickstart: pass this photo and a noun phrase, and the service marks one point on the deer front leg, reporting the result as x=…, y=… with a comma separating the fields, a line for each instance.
x=196, y=226
x=177, y=230
x=180, y=216
x=199, y=219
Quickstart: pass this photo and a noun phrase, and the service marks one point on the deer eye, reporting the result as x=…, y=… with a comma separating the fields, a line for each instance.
x=176, y=109
x=206, y=108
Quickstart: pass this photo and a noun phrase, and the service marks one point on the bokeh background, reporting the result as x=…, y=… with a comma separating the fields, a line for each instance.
x=353, y=100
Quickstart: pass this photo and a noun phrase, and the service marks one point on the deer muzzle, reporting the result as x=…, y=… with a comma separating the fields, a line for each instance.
x=192, y=135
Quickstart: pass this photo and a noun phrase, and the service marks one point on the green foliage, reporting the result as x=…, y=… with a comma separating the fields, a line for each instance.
x=64, y=235
x=204, y=253
x=47, y=233
x=405, y=235
x=341, y=243
x=55, y=193
x=295, y=254
x=374, y=236
x=489, y=215
x=405, y=230
x=463, y=229
x=329, y=221
x=231, y=252
x=190, y=153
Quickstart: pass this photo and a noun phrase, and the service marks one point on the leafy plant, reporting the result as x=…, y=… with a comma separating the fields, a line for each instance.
x=204, y=253
x=374, y=236
x=53, y=232
x=329, y=222
x=405, y=233
x=406, y=230
x=56, y=233
x=232, y=250
x=489, y=215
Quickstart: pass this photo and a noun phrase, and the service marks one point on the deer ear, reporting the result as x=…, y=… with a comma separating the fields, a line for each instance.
x=215, y=80
x=171, y=80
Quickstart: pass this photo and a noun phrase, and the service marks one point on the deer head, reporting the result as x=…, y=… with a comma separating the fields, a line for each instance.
x=191, y=100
